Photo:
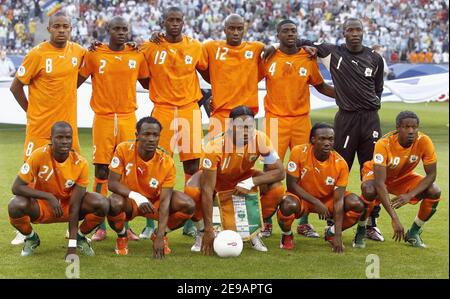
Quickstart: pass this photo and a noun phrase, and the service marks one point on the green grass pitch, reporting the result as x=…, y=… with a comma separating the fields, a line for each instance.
x=312, y=258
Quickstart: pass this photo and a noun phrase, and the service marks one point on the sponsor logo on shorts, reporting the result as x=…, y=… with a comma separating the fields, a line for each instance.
x=248, y=54
x=207, y=163
x=329, y=181
x=25, y=168
x=115, y=162
x=69, y=184
x=153, y=183
x=378, y=158
x=21, y=71
x=292, y=166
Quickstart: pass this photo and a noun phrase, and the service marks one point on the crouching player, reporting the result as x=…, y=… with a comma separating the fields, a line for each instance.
x=395, y=157
x=50, y=188
x=142, y=178
x=228, y=165
x=316, y=180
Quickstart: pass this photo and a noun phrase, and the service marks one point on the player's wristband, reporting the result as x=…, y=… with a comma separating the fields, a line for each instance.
x=247, y=184
x=72, y=243
x=138, y=198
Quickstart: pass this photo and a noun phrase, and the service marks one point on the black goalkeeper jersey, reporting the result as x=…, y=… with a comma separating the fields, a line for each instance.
x=357, y=77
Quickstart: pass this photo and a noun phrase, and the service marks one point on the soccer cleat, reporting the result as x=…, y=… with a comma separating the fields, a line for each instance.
x=189, y=230
x=84, y=246
x=267, y=231
x=307, y=230
x=197, y=247
x=414, y=239
x=131, y=235
x=167, y=250
x=359, y=239
x=19, y=239
x=374, y=233
x=146, y=233
x=121, y=246
x=99, y=235
x=258, y=244
x=30, y=245
x=287, y=242
x=328, y=235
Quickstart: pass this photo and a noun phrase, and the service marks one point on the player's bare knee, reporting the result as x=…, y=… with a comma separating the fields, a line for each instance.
x=288, y=206
x=369, y=191
x=17, y=206
x=185, y=204
x=100, y=203
x=191, y=166
x=101, y=171
x=116, y=204
x=353, y=203
x=194, y=181
x=433, y=192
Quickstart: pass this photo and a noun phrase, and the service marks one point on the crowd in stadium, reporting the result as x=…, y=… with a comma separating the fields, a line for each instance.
x=413, y=31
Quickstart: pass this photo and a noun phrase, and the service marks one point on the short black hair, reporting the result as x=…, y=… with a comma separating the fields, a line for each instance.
x=241, y=110
x=147, y=120
x=404, y=115
x=283, y=22
x=60, y=124
x=172, y=9
x=318, y=126
x=351, y=20
x=56, y=15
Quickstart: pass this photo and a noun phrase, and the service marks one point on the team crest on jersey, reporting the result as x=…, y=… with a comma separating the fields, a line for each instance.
x=378, y=158
x=302, y=72
x=207, y=163
x=253, y=158
x=69, y=184
x=21, y=71
x=188, y=59
x=153, y=183
x=413, y=158
x=74, y=61
x=292, y=166
x=329, y=181
x=248, y=54
x=115, y=162
x=368, y=72
x=132, y=64
x=25, y=168
x=375, y=134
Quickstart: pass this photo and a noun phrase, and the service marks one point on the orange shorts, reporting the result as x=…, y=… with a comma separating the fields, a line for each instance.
x=33, y=142
x=306, y=207
x=292, y=131
x=108, y=132
x=222, y=184
x=135, y=211
x=398, y=186
x=46, y=214
x=218, y=122
x=182, y=130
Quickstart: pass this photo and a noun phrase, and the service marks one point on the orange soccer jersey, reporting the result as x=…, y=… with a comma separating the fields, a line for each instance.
x=51, y=75
x=399, y=161
x=234, y=164
x=317, y=178
x=287, y=82
x=114, y=75
x=44, y=173
x=147, y=178
x=174, y=80
x=234, y=73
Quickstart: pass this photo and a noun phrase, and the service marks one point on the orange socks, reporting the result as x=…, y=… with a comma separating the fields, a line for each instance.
x=195, y=194
x=427, y=208
x=22, y=224
x=101, y=186
x=90, y=222
x=177, y=219
x=271, y=200
x=117, y=222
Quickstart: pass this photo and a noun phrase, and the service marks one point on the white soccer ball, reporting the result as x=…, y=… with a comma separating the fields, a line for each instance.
x=228, y=243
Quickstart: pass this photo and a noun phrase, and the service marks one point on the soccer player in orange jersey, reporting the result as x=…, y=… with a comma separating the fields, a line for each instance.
x=50, y=188
x=395, y=157
x=317, y=177
x=142, y=178
x=228, y=164
x=114, y=68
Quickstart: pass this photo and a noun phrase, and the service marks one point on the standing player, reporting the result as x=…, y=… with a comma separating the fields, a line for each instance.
x=317, y=177
x=357, y=74
x=50, y=188
x=175, y=90
x=50, y=70
x=396, y=155
x=228, y=164
x=142, y=178
x=114, y=69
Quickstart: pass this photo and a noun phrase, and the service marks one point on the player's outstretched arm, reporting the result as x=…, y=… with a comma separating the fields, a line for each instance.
x=21, y=188
x=273, y=172
x=383, y=195
x=115, y=186
x=158, y=244
x=424, y=184
x=338, y=204
x=293, y=187
x=326, y=89
x=74, y=215
x=19, y=94
x=208, y=183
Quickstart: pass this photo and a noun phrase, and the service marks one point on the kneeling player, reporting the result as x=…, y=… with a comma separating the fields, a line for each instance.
x=395, y=157
x=316, y=180
x=142, y=178
x=228, y=165
x=50, y=188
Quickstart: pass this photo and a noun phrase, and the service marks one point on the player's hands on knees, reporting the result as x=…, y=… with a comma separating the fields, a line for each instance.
x=336, y=245
x=94, y=45
x=158, y=247
x=156, y=37
x=56, y=206
x=207, y=242
x=147, y=208
x=400, y=200
x=323, y=212
x=399, y=232
x=312, y=51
